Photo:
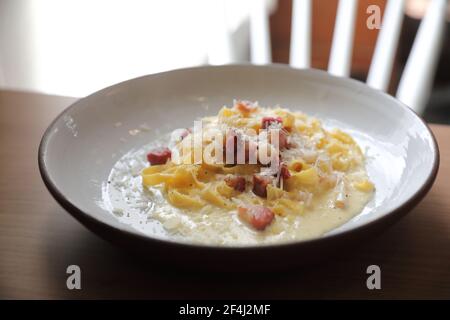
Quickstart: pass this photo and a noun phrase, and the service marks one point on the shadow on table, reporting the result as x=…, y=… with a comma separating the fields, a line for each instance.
x=111, y=272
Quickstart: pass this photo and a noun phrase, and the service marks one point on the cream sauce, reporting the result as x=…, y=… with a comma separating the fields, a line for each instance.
x=147, y=210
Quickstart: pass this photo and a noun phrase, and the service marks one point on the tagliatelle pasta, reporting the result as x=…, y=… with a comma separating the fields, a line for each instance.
x=265, y=167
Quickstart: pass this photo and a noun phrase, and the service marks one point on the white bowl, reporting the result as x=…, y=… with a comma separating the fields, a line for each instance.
x=80, y=147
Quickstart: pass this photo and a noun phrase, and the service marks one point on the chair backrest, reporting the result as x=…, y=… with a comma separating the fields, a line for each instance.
x=415, y=84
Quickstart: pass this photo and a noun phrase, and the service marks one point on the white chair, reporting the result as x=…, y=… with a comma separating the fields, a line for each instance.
x=416, y=81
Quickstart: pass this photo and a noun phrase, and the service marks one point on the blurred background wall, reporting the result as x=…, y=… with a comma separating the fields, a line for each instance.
x=75, y=47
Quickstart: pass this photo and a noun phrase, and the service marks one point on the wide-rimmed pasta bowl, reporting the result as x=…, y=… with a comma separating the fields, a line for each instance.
x=86, y=146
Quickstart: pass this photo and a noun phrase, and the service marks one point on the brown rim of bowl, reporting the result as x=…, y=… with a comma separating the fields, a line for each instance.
x=84, y=217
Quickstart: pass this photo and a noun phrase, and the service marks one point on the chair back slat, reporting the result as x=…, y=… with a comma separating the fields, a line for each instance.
x=342, y=46
x=300, y=51
x=386, y=46
x=259, y=33
x=415, y=84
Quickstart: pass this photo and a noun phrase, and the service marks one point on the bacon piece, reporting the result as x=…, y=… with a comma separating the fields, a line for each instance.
x=283, y=139
x=258, y=217
x=159, y=156
x=234, y=142
x=267, y=121
x=245, y=106
x=231, y=140
x=251, y=152
x=235, y=182
x=284, y=171
x=260, y=185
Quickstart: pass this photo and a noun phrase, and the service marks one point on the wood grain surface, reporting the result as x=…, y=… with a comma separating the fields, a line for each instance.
x=38, y=239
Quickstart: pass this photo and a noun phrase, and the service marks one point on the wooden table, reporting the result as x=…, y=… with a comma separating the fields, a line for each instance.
x=38, y=239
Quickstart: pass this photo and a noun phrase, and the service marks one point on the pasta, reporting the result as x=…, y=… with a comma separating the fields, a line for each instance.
x=282, y=161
